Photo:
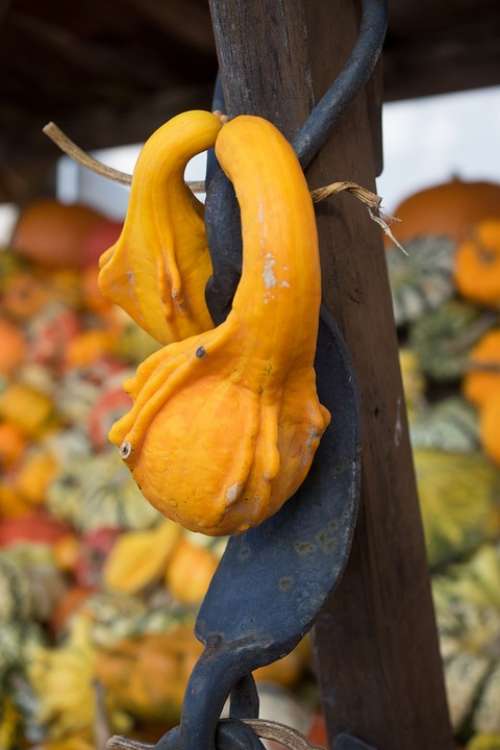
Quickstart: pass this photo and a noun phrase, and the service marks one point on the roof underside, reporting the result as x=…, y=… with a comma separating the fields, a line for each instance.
x=110, y=72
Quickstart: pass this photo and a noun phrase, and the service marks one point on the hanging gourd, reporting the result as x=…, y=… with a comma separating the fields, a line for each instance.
x=158, y=268
x=477, y=269
x=225, y=425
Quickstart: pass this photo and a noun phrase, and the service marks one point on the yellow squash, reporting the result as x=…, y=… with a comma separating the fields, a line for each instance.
x=225, y=424
x=158, y=268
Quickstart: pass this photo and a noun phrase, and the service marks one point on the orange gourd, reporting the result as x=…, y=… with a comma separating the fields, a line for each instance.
x=481, y=385
x=477, y=265
x=12, y=347
x=29, y=410
x=158, y=268
x=35, y=475
x=54, y=234
x=450, y=209
x=88, y=347
x=12, y=445
x=24, y=296
x=190, y=571
x=225, y=424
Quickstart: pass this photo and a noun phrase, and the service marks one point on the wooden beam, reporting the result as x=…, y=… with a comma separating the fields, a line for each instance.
x=378, y=659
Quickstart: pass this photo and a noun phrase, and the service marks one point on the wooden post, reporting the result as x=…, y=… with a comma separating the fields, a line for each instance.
x=378, y=660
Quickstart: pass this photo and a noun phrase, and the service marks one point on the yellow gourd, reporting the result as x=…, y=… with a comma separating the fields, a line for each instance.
x=139, y=558
x=158, y=268
x=225, y=424
x=190, y=571
x=29, y=410
x=35, y=475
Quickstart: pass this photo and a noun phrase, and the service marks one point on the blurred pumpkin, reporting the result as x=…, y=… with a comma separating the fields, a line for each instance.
x=24, y=295
x=12, y=347
x=288, y=670
x=56, y=235
x=66, y=286
x=481, y=385
x=467, y=603
x=35, y=527
x=88, y=347
x=442, y=339
x=190, y=571
x=12, y=445
x=140, y=558
x=35, y=474
x=147, y=676
x=80, y=741
x=98, y=491
x=12, y=504
x=490, y=427
x=423, y=279
x=62, y=680
x=460, y=502
x=448, y=425
x=10, y=719
x=66, y=551
x=449, y=209
x=477, y=268
x=30, y=411
x=484, y=742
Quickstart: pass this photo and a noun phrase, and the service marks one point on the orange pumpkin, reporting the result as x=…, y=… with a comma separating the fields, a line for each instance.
x=450, y=209
x=490, y=426
x=29, y=410
x=53, y=234
x=24, y=296
x=12, y=347
x=481, y=385
x=190, y=571
x=66, y=552
x=12, y=504
x=35, y=475
x=12, y=445
x=477, y=264
x=86, y=348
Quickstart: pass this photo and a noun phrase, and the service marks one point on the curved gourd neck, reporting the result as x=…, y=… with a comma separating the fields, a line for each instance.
x=279, y=293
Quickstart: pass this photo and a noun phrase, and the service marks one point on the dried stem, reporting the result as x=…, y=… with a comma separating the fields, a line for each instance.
x=371, y=200
x=70, y=148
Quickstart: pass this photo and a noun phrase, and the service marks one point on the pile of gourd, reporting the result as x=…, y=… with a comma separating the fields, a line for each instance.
x=98, y=590
x=446, y=295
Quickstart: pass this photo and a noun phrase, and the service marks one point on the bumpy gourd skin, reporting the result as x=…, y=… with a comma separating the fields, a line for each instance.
x=158, y=268
x=225, y=424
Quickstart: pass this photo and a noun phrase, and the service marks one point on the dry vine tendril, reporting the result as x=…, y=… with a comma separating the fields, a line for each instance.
x=371, y=200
